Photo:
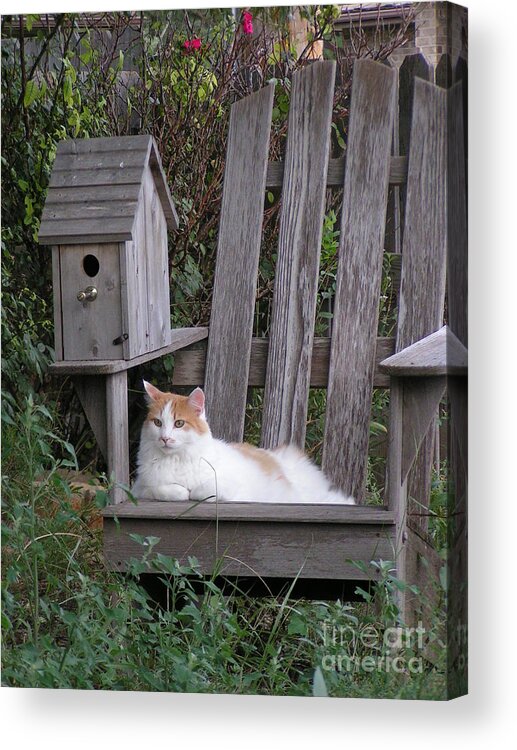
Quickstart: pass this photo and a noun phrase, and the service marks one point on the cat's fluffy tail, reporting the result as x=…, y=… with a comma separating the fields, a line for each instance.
x=309, y=483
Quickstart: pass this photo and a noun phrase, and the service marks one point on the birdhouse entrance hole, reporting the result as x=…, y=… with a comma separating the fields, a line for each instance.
x=91, y=265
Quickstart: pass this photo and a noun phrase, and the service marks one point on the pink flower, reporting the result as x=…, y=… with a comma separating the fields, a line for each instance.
x=247, y=23
x=195, y=43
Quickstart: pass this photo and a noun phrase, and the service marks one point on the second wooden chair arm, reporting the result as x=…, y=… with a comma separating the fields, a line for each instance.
x=440, y=353
x=180, y=338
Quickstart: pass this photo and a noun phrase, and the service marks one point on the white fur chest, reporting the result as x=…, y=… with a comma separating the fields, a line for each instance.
x=187, y=468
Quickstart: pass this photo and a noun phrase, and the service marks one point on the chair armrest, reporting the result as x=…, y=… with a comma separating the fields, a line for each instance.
x=180, y=338
x=440, y=353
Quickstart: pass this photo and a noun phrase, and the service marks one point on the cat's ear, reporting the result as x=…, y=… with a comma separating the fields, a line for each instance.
x=197, y=401
x=152, y=392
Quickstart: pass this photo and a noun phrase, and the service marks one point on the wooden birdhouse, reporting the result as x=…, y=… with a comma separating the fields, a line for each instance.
x=107, y=214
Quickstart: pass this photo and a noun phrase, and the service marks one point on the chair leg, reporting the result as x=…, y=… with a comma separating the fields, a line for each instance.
x=117, y=434
x=396, y=488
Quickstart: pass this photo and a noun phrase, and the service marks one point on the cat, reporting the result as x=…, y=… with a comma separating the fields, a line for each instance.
x=179, y=459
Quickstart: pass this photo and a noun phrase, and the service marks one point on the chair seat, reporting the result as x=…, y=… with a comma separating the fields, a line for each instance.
x=258, y=539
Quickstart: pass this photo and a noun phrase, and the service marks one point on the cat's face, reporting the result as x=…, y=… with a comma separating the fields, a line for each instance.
x=175, y=422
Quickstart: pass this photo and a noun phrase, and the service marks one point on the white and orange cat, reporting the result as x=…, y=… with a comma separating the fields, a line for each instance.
x=179, y=459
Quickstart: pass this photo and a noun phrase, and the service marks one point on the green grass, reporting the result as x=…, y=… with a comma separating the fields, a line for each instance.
x=68, y=623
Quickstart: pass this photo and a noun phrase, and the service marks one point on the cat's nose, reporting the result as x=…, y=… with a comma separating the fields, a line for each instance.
x=167, y=440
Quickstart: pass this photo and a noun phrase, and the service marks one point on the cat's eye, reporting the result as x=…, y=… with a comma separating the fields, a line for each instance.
x=158, y=422
x=179, y=423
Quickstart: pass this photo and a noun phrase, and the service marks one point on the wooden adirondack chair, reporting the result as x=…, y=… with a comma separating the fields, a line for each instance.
x=317, y=544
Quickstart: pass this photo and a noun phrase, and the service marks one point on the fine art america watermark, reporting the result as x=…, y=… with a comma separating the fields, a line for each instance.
x=370, y=649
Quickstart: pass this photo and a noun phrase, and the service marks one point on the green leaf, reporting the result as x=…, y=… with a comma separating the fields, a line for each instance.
x=297, y=626
x=101, y=499
x=67, y=90
x=31, y=93
x=29, y=20
x=138, y=538
x=378, y=429
x=86, y=56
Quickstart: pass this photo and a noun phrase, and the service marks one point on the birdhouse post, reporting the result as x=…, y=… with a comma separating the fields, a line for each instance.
x=106, y=217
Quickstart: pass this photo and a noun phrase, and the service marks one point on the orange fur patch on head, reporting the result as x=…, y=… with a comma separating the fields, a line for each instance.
x=180, y=409
x=267, y=462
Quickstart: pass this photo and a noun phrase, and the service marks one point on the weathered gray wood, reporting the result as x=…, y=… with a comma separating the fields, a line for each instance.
x=90, y=210
x=351, y=372
x=96, y=164
x=457, y=537
x=158, y=300
x=274, y=512
x=91, y=390
x=57, y=310
x=99, y=193
x=117, y=433
x=256, y=547
x=89, y=328
x=421, y=398
x=162, y=187
x=89, y=177
x=423, y=252
x=288, y=374
x=393, y=239
x=107, y=144
x=458, y=434
x=413, y=66
x=189, y=364
x=336, y=172
x=424, y=246
x=134, y=260
x=440, y=353
x=79, y=231
x=457, y=272
x=119, y=153
x=97, y=161
x=396, y=487
x=423, y=566
x=179, y=338
x=443, y=72
x=240, y=232
x=457, y=230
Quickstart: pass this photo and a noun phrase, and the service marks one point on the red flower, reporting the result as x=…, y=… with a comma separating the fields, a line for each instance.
x=189, y=45
x=247, y=23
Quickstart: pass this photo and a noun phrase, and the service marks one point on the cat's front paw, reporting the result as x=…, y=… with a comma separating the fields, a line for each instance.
x=204, y=492
x=170, y=492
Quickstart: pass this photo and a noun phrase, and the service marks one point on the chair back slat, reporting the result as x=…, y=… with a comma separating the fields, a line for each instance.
x=354, y=330
x=235, y=281
x=299, y=245
x=457, y=230
x=422, y=286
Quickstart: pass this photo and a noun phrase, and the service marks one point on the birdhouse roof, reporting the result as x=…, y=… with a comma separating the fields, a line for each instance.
x=95, y=189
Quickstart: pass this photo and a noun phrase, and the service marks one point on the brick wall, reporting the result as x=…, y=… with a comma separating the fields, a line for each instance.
x=440, y=28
